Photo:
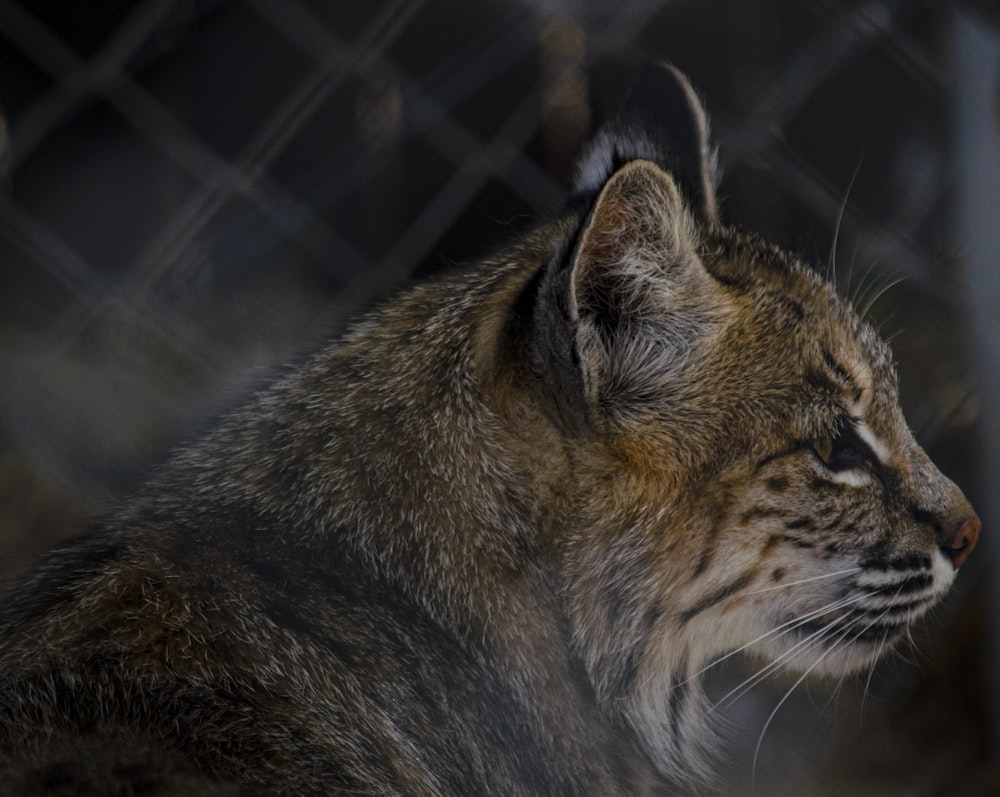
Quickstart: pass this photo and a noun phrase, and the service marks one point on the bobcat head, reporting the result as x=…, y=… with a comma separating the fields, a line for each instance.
x=742, y=477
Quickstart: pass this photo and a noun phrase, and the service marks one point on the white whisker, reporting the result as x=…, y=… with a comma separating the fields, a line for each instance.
x=870, y=302
x=788, y=625
x=866, y=692
x=835, y=692
x=864, y=285
x=831, y=266
x=881, y=647
x=802, y=646
x=781, y=702
x=810, y=580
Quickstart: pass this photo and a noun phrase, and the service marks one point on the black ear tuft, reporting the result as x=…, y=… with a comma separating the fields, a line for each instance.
x=661, y=120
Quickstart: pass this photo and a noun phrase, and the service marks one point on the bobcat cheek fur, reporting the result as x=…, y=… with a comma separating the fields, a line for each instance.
x=487, y=542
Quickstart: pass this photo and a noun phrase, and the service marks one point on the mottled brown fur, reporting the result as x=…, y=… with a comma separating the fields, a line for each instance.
x=485, y=543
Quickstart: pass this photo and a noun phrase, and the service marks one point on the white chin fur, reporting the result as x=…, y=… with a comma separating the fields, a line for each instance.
x=943, y=571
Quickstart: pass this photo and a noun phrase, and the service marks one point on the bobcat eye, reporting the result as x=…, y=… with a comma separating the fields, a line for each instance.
x=824, y=449
x=843, y=451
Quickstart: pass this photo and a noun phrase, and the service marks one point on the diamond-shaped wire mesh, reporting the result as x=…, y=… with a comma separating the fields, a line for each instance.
x=196, y=191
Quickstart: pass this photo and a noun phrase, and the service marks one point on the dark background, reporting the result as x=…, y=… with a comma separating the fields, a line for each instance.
x=195, y=191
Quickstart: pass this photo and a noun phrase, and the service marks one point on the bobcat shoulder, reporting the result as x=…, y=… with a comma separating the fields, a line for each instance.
x=486, y=542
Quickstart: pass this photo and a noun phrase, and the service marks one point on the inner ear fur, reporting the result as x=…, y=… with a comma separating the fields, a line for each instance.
x=635, y=246
x=636, y=232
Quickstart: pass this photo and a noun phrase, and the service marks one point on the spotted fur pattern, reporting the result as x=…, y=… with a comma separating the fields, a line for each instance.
x=487, y=542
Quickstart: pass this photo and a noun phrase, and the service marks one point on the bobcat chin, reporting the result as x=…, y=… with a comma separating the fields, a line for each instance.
x=485, y=543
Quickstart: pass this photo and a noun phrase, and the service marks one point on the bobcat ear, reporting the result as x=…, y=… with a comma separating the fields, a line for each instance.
x=662, y=121
x=631, y=269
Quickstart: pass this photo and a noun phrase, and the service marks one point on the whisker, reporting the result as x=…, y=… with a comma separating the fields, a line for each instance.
x=881, y=647
x=803, y=646
x=810, y=580
x=854, y=259
x=788, y=625
x=874, y=287
x=864, y=285
x=794, y=686
x=879, y=294
x=831, y=266
x=866, y=692
x=891, y=337
x=835, y=692
x=916, y=658
x=884, y=322
x=800, y=647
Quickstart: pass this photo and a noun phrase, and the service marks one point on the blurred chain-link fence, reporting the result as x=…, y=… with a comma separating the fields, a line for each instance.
x=195, y=191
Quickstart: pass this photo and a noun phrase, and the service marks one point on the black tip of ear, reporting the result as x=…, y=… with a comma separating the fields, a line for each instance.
x=659, y=119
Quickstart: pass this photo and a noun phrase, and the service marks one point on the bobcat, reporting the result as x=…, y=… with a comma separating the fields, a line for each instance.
x=485, y=543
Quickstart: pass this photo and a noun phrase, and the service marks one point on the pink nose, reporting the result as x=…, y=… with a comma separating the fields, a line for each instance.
x=964, y=541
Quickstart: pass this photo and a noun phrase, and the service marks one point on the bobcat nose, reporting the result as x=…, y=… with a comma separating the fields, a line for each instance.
x=961, y=545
